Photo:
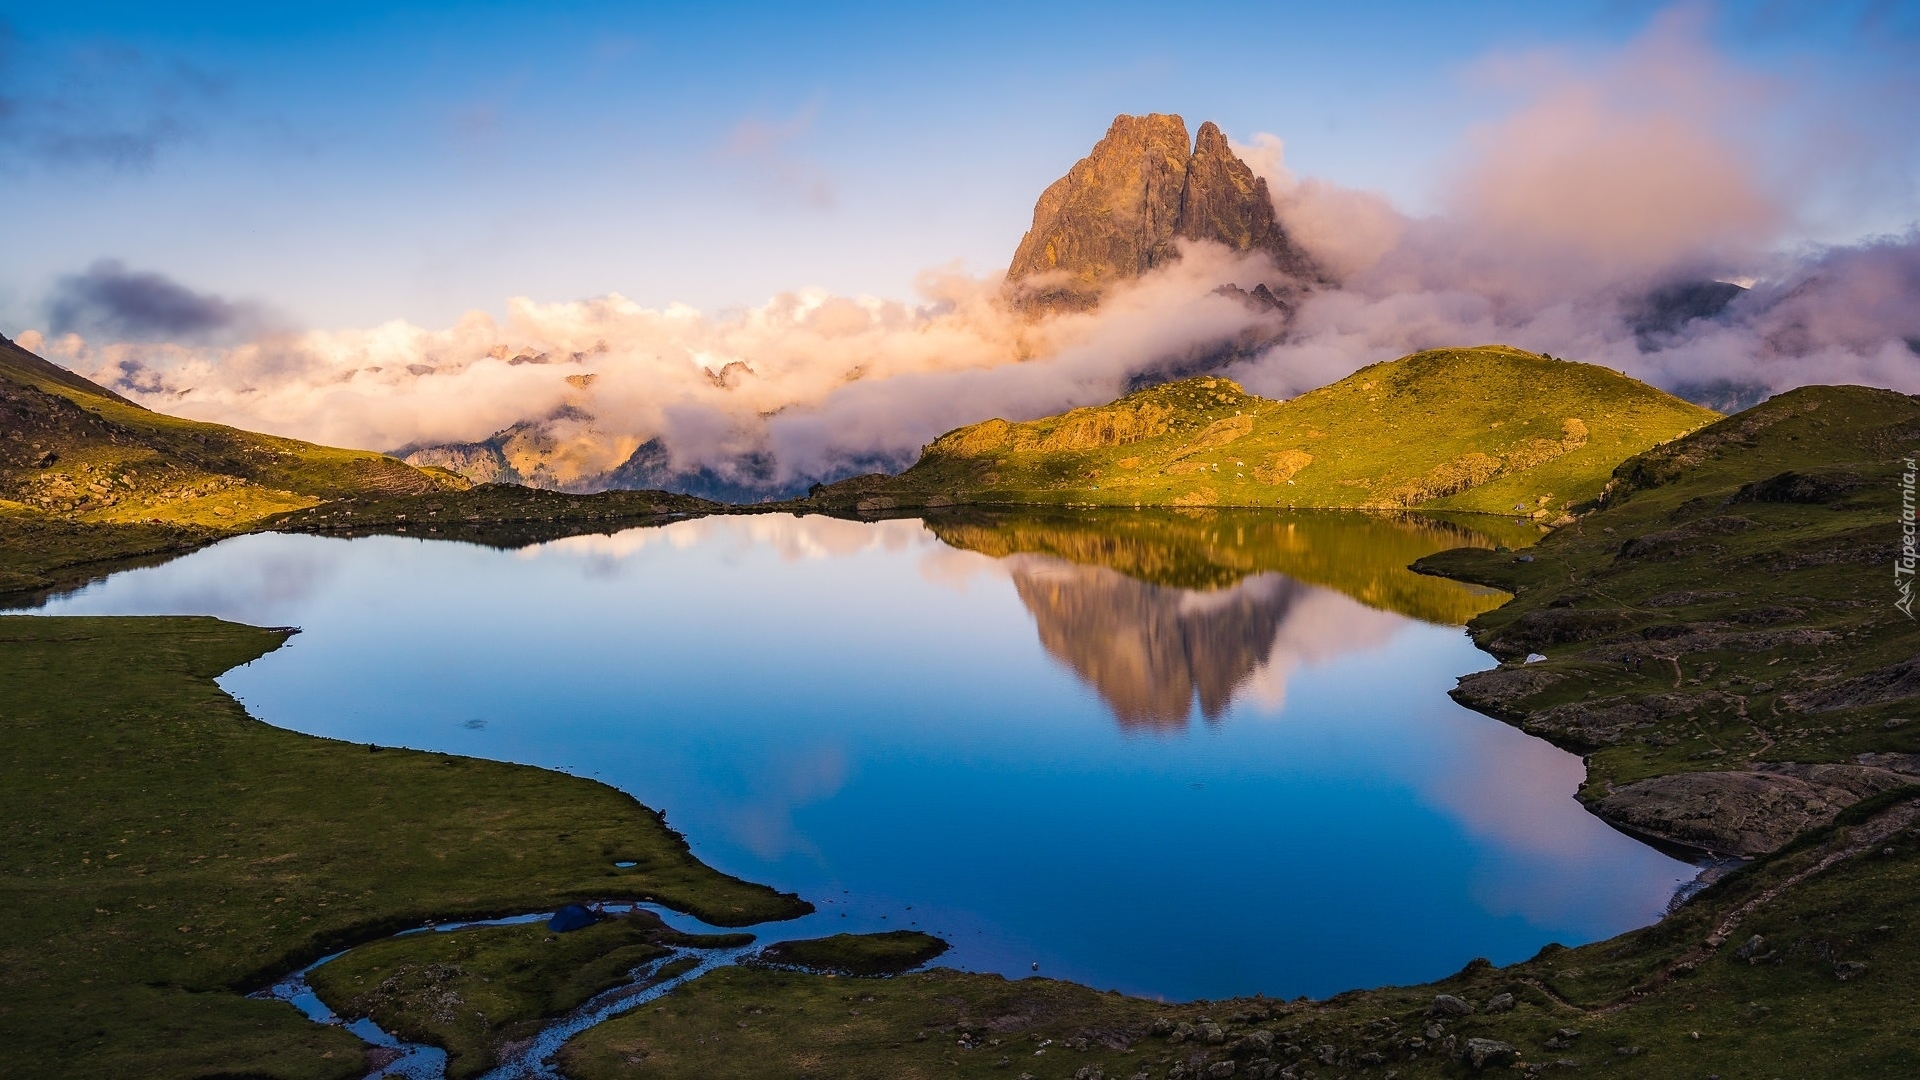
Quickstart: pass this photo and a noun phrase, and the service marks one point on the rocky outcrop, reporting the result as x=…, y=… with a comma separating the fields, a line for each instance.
x=1742, y=813
x=1224, y=202
x=480, y=462
x=1119, y=211
x=746, y=477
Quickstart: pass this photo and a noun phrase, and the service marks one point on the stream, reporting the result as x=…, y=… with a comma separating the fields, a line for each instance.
x=533, y=1057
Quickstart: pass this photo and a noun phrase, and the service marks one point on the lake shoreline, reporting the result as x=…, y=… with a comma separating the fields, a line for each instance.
x=1591, y=695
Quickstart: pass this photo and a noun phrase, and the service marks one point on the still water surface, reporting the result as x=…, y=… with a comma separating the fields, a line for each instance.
x=1180, y=757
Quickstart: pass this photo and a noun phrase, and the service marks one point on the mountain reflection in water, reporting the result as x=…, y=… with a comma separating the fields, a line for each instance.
x=1150, y=650
x=1157, y=610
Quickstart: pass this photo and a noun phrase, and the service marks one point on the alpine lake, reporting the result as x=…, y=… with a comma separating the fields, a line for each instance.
x=1182, y=755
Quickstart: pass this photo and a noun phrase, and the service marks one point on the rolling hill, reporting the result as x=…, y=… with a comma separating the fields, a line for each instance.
x=1491, y=429
x=78, y=450
x=90, y=481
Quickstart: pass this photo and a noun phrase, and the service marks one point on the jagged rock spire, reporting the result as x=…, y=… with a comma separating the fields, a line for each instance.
x=1117, y=212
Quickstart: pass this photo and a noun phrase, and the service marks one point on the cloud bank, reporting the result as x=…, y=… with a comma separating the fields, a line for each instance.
x=1591, y=221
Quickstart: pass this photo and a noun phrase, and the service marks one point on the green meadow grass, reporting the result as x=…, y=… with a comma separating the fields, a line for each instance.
x=167, y=854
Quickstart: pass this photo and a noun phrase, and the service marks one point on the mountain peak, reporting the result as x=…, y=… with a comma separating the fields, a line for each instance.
x=1118, y=211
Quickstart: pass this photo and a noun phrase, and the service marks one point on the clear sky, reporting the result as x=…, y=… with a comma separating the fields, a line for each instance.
x=347, y=163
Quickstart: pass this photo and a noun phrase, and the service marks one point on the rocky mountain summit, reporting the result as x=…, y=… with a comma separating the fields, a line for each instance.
x=1120, y=210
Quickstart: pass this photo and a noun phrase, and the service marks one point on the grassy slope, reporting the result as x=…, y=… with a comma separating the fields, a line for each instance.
x=42, y=554
x=89, y=480
x=1485, y=429
x=1754, y=619
x=91, y=483
x=886, y=953
x=113, y=461
x=166, y=852
x=1362, y=555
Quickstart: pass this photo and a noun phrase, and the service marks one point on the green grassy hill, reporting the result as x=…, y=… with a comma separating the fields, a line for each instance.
x=1489, y=430
x=79, y=451
x=91, y=482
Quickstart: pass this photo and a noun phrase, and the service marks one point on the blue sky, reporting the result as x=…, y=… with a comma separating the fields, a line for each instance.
x=343, y=164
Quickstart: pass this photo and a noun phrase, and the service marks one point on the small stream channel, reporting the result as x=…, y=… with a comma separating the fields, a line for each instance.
x=532, y=1059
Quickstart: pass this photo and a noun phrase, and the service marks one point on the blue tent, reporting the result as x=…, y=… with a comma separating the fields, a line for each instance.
x=571, y=917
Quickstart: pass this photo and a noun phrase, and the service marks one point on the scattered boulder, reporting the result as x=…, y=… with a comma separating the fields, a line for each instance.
x=1687, y=540
x=1483, y=1053
x=1499, y=1003
x=1538, y=629
x=1895, y=682
x=1446, y=1005
x=1797, y=487
x=1498, y=692
x=1563, y=1038
x=1602, y=722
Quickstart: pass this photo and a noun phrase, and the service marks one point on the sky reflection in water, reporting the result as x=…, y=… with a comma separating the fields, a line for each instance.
x=1255, y=785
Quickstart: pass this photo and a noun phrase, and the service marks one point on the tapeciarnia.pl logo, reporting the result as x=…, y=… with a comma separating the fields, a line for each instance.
x=1903, y=563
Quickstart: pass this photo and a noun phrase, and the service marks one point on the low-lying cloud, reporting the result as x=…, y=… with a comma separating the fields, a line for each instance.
x=1590, y=222
x=815, y=383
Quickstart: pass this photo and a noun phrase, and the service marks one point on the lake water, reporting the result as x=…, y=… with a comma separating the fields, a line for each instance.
x=1180, y=756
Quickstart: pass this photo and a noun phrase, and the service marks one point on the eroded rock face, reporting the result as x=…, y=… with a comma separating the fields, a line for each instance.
x=1118, y=211
x=1743, y=813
